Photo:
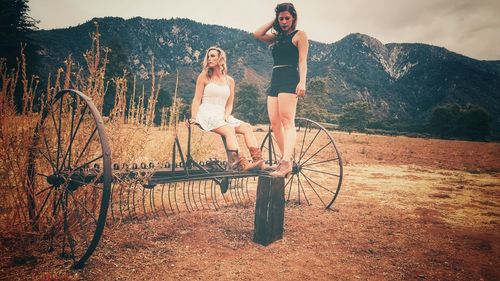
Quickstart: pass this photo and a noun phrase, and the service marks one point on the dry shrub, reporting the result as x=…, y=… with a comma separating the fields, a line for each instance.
x=129, y=126
x=16, y=133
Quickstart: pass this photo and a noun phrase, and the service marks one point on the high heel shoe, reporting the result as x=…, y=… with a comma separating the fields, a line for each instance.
x=284, y=169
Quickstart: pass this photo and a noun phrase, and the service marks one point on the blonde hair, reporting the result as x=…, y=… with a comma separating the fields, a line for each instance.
x=222, y=62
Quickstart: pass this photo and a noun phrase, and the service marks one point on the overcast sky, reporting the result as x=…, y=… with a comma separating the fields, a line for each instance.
x=469, y=27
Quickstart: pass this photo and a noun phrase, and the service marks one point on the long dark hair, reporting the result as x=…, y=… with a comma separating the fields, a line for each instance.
x=284, y=7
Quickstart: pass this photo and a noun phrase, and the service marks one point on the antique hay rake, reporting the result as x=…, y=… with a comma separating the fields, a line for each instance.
x=73, y=183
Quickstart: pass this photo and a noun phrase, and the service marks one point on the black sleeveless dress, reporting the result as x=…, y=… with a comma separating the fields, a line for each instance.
x=285, y=75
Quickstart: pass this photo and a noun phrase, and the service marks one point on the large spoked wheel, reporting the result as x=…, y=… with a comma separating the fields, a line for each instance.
x=69, y=177
x=317, y=164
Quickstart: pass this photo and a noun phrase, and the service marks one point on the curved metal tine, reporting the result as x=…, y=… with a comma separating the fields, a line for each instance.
x=205, y=193
x=123, y=203
x=249, y=198
x=130, y=203
x=184, y=196
x=112, y=202
x=163, y=200
x=239, y=189
x=189, y=186
x=199, y=194
x=130, y=188
x=242, y=191
x=230, y=189
x=135, y=216
x=145, y=214
x=246, y=188
x=234, y=184
x=193, y=196
x=209, y=194
x=236, y=191
x=244, y=199
x=152, y=201
x=175, y=198
x=314, y=189
x=170, y=197
x=213, y=195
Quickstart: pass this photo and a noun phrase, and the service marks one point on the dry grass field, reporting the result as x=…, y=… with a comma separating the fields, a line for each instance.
x=409, y=209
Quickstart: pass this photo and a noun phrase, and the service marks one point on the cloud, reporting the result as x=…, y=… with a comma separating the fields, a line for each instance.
x=469, y=27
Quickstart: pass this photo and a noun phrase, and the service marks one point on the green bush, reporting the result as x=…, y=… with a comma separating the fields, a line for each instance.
x=453, y=120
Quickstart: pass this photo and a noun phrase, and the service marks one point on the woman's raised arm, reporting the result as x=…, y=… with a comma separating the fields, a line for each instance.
x=262, y=33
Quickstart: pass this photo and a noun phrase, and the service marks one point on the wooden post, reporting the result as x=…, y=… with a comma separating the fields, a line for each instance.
x=269, y=210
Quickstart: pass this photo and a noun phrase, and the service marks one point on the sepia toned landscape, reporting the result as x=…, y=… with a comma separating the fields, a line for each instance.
x=396, y=175
x=409, y=208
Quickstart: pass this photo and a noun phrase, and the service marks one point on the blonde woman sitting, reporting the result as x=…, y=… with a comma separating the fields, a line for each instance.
x=212, y=106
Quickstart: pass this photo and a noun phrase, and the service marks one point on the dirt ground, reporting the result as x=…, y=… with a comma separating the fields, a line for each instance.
x=409, y=209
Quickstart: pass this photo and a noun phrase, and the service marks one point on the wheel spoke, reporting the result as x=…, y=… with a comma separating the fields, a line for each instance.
x=54, y=169
x=72, y=137
x=314, y=189
x=319, y=185
x=83, y=207
x=42, y=208
x=321, y=172
x=87, y=184
x=86, y=146
x=303, y=141
x=88, y=163
x=301, y=187
x=321, y=149
x=56, y=129
x=43, y=190
x=80, y=222
x=320, y=162
x=312, y=141
x=59, y=131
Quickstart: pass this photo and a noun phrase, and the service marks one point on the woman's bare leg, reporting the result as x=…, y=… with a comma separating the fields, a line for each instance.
x=274, y=118
x=287, y=107
x=230, y=135
x=245, y=129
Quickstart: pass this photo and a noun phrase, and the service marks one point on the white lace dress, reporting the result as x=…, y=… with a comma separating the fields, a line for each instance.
x=213, y=104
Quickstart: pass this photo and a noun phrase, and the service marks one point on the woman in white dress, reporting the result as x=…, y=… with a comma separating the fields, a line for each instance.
x=212, y=106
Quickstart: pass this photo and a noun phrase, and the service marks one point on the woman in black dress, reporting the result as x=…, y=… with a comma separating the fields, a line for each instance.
x=288, y=82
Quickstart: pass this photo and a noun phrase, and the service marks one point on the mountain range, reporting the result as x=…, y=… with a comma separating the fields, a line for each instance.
x=402, y=82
